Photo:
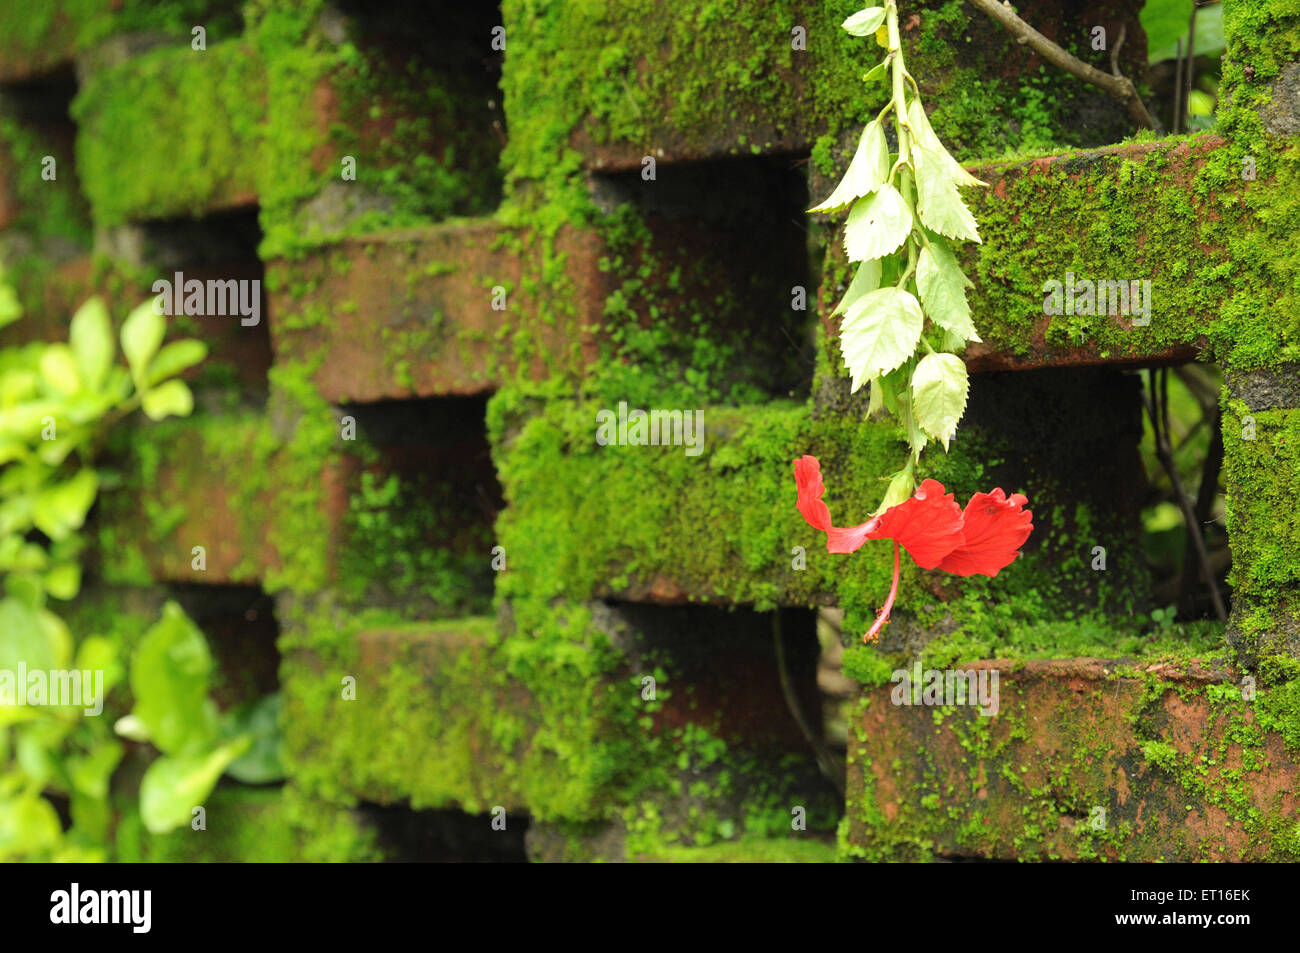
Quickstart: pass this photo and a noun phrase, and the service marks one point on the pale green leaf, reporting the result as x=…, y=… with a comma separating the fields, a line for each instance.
x=91, y=338
x=865, y=22
x=174, y=785
x=173, y=397
x=919, y=123
x=176, y=357
x=59, y=510
x=879, y=333
x=942, y=285
x=939, y=389
x=1165, y=22
x=878, y=225
x=64, y=581
x=59, y=369
x=169, y=679
x=142, y=334
x=938, y=202
x=901, y=486
x=865, y=280
x=868, y=170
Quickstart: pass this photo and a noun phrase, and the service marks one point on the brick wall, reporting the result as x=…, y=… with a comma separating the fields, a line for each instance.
x=475, y=228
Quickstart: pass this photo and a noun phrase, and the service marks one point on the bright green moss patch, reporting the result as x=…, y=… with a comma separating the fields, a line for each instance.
x=174, y=132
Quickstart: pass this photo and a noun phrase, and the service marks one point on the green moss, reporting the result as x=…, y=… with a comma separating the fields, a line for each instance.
x=173, y=132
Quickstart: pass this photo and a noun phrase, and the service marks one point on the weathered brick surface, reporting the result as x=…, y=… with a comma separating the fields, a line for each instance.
x=1179, y=763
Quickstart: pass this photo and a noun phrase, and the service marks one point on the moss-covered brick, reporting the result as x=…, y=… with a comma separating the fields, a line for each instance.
x=721, y=526
x=414, y=115
x=549, y=718
x=1085, y=759
x=603, y=85
x=173, y=132
x=629, y=300
x=253, y=825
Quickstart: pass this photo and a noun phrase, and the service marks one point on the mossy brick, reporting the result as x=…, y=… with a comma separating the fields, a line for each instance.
x=722, y=527
x=415, y=312
x=1085, y=759
x=412, y=119
x=1123, y=214
x=480, y=714
x=36, y=39
x=175, y=132
x=613, y=83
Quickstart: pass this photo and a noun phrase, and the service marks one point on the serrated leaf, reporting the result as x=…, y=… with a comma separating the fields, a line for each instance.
x=91, y=339
x=879, y=333
x=172, y=398
x=938, y=202
x=919, y=123
x=939, y=390
x=865, y=280
x=142, y=334
x=942, y=285
x=878, y=225
x=868, y=170
x=865, y=22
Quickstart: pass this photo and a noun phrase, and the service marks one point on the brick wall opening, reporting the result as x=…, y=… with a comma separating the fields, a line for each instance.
x=214, y=250
x=734, y=231
x=422, y=507
x=240, y=625
x=445, y=836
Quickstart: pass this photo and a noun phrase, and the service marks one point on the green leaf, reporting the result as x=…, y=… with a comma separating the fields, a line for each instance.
x=142, y=334
x=868, y=170
x=10, y=307
x=865, y=22
x=919, y=123
x=173, y=397
x=90, y=772
x=878, y=225
x=1165, y=22
x=260, y=721
x=91, y=338
x=872, y=75
x=942, y=285
x=865, y=280
x=176, y=357
x=938, y=202
x=879, y=333
x=59, y=369
x=939, y=388
x=169, y=679
x=174, y=785
x=60, y=510
x=901, y=485
x=64, y=581
x=28, y=825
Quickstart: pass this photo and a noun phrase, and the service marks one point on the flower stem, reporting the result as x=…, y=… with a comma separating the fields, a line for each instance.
x=882, y=617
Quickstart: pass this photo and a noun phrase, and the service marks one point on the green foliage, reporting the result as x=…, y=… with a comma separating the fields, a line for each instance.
x=56, y=401
x=905, y=207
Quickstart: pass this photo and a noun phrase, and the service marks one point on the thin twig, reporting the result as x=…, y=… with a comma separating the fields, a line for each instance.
x=1158, y=410
x=1114, y=50
x=1191, y=67
x=1178, y=87
x=1118, y=88
x=829, y=765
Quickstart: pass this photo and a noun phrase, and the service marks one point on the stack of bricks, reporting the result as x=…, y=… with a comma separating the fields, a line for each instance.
x=479, y=232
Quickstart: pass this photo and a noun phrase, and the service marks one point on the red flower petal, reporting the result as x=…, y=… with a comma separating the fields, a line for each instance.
x=928, y=525
x=996, y=528
x=808, y=479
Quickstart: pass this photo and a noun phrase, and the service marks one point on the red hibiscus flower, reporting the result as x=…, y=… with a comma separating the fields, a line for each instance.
x=984, y=538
